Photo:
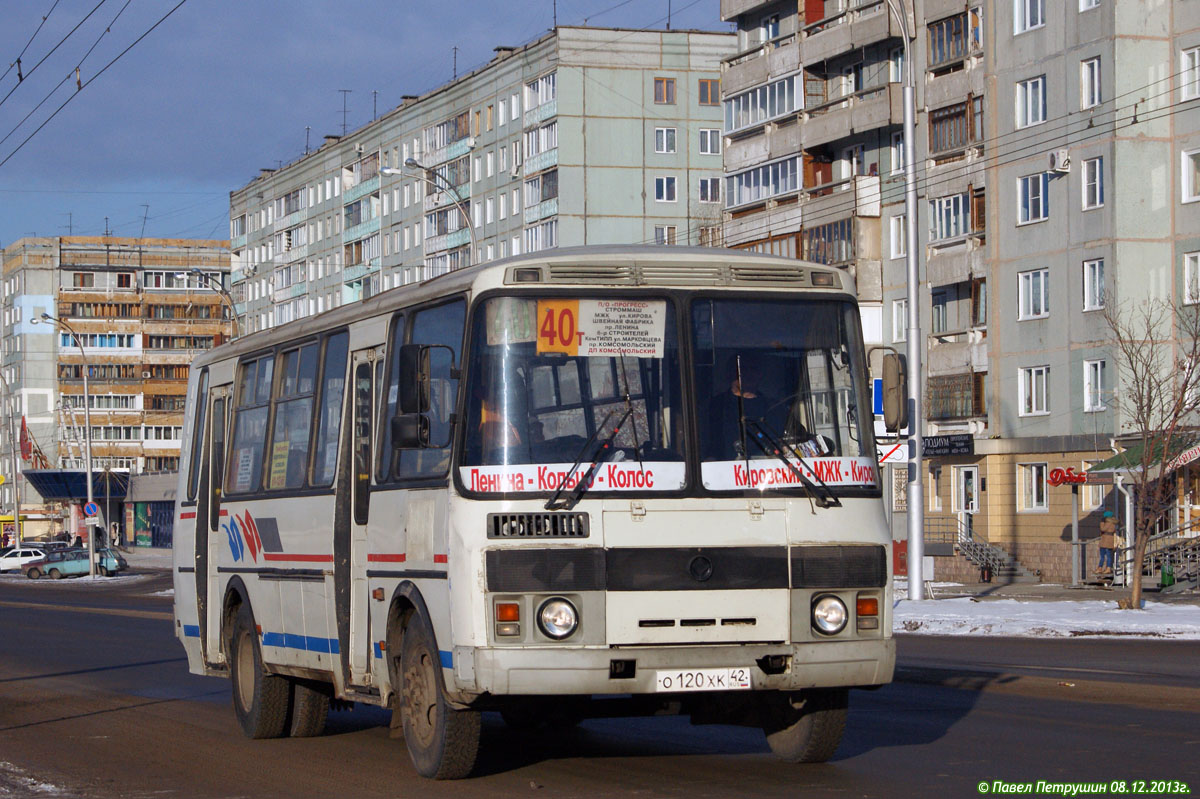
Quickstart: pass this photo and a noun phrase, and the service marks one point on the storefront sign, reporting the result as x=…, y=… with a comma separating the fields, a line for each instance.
x=958, y=444
x=1066, y=477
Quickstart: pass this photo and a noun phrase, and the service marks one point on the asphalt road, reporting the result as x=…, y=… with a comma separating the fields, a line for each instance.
x=96, y=701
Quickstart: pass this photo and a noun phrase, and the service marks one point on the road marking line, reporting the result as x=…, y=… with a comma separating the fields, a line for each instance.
x=136, y=614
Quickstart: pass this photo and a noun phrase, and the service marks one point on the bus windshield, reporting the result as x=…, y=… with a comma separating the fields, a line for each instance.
x=777, y=386
x=552, y=380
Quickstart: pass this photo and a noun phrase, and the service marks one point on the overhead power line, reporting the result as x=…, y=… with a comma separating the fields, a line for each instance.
x=26, y=47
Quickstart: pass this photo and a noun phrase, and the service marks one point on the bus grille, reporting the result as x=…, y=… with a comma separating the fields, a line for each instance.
x=654, y=273
x=537, y=525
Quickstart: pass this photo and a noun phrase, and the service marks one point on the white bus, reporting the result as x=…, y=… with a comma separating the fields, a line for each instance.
x=589, y=481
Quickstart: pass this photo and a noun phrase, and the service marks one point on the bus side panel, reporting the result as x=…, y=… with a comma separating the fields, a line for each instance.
x=187, y=623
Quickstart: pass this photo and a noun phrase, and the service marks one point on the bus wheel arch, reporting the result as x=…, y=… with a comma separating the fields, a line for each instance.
x=235, y=597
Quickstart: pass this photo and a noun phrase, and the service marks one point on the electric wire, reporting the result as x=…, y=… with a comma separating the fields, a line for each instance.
x=31, y=38
x=52, y=49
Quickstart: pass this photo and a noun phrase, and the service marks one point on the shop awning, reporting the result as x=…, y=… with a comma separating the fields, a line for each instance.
x=1183, y=450
x=70, y=485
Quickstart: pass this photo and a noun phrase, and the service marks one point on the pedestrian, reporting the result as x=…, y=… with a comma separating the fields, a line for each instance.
x=1108, y=541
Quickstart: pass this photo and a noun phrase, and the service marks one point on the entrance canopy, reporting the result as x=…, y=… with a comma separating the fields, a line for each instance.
x=1183, y=450
x=70, y=485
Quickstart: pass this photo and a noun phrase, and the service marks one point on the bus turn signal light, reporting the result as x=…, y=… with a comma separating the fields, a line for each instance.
x=867, y=606
x=508, y=611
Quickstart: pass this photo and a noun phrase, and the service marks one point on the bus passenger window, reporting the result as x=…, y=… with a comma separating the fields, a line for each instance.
x=244, y=473
x=333, y=384
x=293, y=417
x=201, y=405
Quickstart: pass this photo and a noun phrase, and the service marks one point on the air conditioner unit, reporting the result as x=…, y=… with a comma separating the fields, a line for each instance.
x=360, y=149
x=471, y=143
x=145, y=374
x=1060, y=161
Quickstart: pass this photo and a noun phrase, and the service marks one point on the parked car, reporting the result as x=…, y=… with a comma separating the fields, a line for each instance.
x=14, y=559
x=110, y=561
x=59, y=564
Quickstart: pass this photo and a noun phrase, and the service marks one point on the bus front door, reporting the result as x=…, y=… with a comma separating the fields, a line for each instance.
x=208, y=526
x=351, y=550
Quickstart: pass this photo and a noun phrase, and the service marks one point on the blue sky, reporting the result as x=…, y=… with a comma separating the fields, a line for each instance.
x=222, y=88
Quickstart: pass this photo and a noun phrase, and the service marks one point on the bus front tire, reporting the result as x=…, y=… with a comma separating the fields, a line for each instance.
x=310, y=709
x=260, y=700
x=810, y=733
x=442, y=741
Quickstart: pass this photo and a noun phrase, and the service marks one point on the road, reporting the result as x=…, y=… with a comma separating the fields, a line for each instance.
x=96, y=701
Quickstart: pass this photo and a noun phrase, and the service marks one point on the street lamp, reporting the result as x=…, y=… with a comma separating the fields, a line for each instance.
x=412, y=163
x=222, y=293
x=87, y=436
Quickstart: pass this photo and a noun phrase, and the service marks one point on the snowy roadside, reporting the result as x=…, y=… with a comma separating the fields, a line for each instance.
x=1045, y=618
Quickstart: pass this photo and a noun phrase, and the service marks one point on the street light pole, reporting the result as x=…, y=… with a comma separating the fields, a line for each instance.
x=412, y=163
x=223, y=294
x=87, y=439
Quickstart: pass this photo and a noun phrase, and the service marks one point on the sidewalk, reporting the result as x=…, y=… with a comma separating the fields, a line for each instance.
x=154, y=558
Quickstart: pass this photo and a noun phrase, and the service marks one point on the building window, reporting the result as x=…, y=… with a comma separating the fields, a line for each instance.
x=762, y=182
x=899, y=236
x=710, y=90
x=710, y=190
x=664, y=189
x=710, y=141
x=1089, y=83
x=1031, y=484
x=664, y=234
x=979, y=302
x=831, y=243
x=947, y=40
x=84, y=280
x=897, y=151
x=1028, y=14
x=1093, y=386
x=1035, y=390
x=1093, y=183
x=1032, y=201
x=1084, y=5
x=956, y=126
x=948, y=217
x=664, y=140
x=1031, y=101
x=761, y=104
x=664, y=91
x=1191, y=278
x=900, y=320
x=770, y=28
x=1093, y=285
x=1191, y=176
x=1033, y=294
x=896, y=65
x=539, y=92
x=940, y=308
x=1190, y=73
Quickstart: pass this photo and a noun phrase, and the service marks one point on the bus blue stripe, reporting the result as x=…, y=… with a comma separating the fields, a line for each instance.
x=305, y=643
x=191, y=630
x=447, y=659
x=378, y=651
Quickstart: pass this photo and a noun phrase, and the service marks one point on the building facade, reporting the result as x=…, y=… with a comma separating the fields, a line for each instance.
x=141, y=315
x=585, y=136
x=1057, y=167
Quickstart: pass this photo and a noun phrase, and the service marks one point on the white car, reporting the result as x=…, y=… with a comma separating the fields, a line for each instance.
x=13, y=558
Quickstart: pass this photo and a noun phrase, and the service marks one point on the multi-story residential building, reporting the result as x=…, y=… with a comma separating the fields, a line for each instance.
x=584, y=136
x=1056, y=171
x=141, y=315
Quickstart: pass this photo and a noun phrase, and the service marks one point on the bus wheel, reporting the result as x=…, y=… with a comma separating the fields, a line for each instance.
x=260, y=700
x=810, y=733
x=310, y=708
x=442, y=741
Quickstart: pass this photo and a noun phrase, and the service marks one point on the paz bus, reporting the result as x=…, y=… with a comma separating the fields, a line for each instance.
x=582, y=482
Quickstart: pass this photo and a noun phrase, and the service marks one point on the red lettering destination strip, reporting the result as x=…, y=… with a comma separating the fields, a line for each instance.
x=621, y=476
x=770, y=473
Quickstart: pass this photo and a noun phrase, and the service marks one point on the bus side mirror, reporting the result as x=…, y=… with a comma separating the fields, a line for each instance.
x=410, y=431
x=414, y=379
x=895, y=392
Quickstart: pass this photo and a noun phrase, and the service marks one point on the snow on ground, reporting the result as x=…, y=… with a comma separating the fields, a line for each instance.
x=84, y=582
x=1044, y=618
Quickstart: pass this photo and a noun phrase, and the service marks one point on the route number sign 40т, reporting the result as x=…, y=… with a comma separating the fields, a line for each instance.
x=702, y=680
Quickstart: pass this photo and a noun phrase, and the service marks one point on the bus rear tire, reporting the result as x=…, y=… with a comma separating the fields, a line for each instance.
x=260, y=700
x=310, y=709
x=812, y=732
x=442, y=741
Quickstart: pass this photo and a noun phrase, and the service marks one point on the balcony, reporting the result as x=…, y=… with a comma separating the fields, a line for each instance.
x=957, y=351
x=864, y=23
x=442, y=197
x=448, y=241
x=290, y=256
x=868, y=109
x=543, y=160
x=361, y=190
x=237, y=242
x=542, y=210
x=733, y=8
x=361, y=230
x=541, y=113
x=856, y=196
x=945, y=267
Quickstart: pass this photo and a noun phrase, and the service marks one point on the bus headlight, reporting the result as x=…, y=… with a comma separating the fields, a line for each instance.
x=829, y=615
x=557, y=618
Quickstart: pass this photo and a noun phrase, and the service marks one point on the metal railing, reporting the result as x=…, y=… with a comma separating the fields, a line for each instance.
x=1176, y=550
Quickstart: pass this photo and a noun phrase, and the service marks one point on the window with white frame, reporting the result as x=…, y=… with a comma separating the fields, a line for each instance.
x=948, y=217
x=664, y=189
x=1093, y=284
x=1093, y=495
x=1028, y=14
x=664, y=140
x=1093, y=385
x=1189, y=73
x=710, y=190
x=1034, y=387
x=1031, y=101
x=1084, y=5
x=1033, y=294
x=940, y=302
x=897, y=151
x=541, y=236
x=664, y=234
x=710, y=141
x=1191, y=175
x=896, y=65
x=1093, y=183
x=1089, y=83
x=1032, y=201
x=762, y=182
x=1031, y=487
x=900, y=320
x=899, y=236
x=935, y=493
x=1191, y=278
x=762, y=103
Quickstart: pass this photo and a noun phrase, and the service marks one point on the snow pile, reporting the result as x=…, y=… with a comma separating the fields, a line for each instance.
x=1042, y=619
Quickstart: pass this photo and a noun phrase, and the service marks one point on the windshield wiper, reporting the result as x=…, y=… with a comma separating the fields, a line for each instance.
x=584, y=480
x=637, y=445
x=776, y=448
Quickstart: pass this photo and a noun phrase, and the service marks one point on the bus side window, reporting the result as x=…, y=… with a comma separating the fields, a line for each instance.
x=201, y=405
x=218, y=462
x=244, y=472
x=293, y=417
x=329, y=412
x=389, y=402
x=441, y=325
x=362, y=441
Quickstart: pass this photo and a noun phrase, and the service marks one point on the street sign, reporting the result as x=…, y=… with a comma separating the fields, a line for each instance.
x=92, y=521
x=957, y=444
x=892, y=452
x=91, y=509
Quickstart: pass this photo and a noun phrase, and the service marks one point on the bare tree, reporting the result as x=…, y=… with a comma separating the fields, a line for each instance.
x=1156, y=346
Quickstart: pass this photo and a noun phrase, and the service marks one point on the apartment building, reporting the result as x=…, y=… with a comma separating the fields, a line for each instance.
x=1056, y=167
x=584, y=136
x=141, y=315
